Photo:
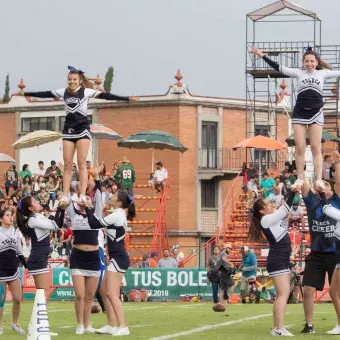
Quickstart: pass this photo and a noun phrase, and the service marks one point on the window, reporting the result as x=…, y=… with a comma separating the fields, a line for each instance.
x=62, y=121
x=37, y=123
x=209, y=145
x=209, y=193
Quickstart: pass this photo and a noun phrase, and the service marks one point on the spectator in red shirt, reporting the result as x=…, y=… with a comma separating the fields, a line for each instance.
x=65, y=240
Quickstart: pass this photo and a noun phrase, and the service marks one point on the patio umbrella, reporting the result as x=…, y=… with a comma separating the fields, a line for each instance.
x=260, y=142
x=99, y=131
x=6, y=159
x=36, y=138
x=326, y=137
x=156, y=140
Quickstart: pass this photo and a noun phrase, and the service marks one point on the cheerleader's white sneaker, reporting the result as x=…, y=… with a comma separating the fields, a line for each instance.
x=121, y=331
x=335, y=330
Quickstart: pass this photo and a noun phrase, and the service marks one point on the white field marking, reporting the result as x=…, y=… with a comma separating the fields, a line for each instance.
x=208, y=327
x=140, y=308
x=133, y=326
x=50, y=311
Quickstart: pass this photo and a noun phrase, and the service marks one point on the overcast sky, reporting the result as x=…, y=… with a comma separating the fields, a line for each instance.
x=146, y=41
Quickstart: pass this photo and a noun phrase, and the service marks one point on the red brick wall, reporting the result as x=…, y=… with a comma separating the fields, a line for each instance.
x=7, y=132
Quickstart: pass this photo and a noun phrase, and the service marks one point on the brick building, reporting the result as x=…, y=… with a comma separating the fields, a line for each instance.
x=209, y=127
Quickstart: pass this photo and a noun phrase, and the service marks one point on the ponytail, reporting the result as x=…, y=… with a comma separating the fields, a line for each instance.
x=254, y=233
x=127, y=202
x=23, y=213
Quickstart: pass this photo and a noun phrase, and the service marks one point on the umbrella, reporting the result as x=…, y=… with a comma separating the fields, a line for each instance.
x=326, y=137
x=6, y=159
x=99, y=131
x=36, y=138
x=156, y=140
x=260, y=142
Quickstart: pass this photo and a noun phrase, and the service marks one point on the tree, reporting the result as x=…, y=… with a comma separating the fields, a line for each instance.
x=108, y=79
x=6, y=98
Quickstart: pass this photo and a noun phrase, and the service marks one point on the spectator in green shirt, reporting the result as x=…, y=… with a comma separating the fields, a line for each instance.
x=267, y=184
x=126, y=176
x=25, y=172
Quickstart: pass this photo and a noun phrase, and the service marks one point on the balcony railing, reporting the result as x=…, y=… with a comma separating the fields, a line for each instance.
x=227, y=159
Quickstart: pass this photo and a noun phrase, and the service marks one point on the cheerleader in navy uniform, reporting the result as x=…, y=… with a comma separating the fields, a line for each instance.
x=308, y=110
x=116, y=225
x=10, y=252
x=85, y=261
x=76, y=132
x=34, y=225
x=273, y=224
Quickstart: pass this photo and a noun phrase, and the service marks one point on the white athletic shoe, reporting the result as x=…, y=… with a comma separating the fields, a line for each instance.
x=64, y=201
x=80, y=330
x=335, y=330
x=280, y=332
x=2, y=332
x=121, y=331
x=319, y=183
x=82, y=199
x=17, y=329
x=89, y=330
x=106, y=330
x=298, y=184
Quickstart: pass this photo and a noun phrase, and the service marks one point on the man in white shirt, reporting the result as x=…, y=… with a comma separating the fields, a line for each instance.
x=160, y=176
x=252, y=184
x=41, y=169
x=276, y=197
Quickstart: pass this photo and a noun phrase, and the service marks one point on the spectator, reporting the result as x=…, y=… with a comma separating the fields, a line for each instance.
x=144, y=263
x=153, y=260
x=25, y=172
x=41, y=169
x=252, y=185
x=179, y=257
x=11, y=206
x=251, y=172
x=279, y=184
x=267, y=184
x=126, y=176
x=227, y=284
x=53, y=170
x=213, y=274
x=288, y=180
x=38, y=183
x=296, y=214
x=115, y=168
x=332, y=174
x=272, y=171
x=75, y=176
x=160, y=177
x=90, y=171
x=27, y=184
x=167, y=261
x=43, y=196
x=52, y=187
x=326, y=165
x=65, y=240
x=2, y=196
x=276, y=197
x=249, y=268
x=11, y=177
x=288, y=167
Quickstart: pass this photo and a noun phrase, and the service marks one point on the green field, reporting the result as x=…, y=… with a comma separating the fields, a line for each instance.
x=160, y=320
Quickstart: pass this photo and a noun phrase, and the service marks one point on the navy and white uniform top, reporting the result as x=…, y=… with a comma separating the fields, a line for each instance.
x=82, y=232
x=274, y=226
x=76, y=105
x=116, y=224
x=10, y=248
x=309, y=85
x=39, y=228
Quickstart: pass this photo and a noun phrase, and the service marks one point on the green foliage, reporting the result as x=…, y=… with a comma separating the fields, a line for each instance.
x=6, y=98
x=108, y=79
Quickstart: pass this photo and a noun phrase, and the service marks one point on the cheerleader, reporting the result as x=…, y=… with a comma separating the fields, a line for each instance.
x=34, y=225
x=116, y=224
x=273, y=224
x=76, y=132
x=10, y=252
x=308, y=110
x=85, y=261
x=101, y=244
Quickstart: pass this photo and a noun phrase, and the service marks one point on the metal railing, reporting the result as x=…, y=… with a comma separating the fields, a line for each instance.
x=228, y=159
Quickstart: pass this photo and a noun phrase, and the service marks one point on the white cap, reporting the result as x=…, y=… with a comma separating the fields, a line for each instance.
x=245, y=248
